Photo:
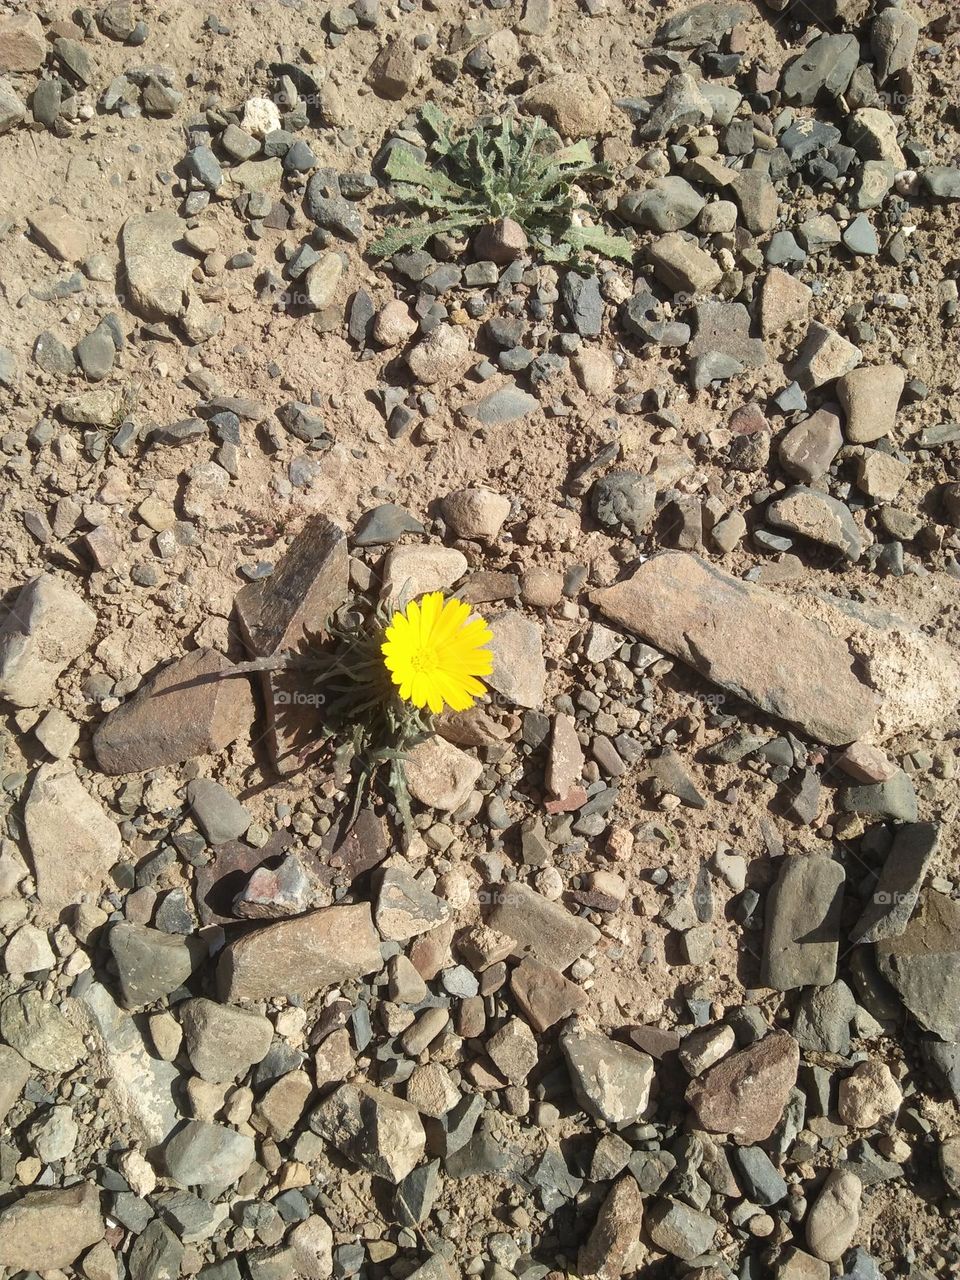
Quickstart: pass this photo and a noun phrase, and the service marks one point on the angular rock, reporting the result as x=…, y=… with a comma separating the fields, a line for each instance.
x=46, y=628
x=679, y=1230
x=222, y=1042
x=157, y=274
x=615, y=1233
x=14, y=1074
x=802, y=936
x=611, y=1081
x=22, y=46
x=544, y=996
x=60, y=234
x=186, y=710
x=73, y=843
x=923, y=964
x=300, y=956
x=49, y=1229
x=409, y=572
x=807, y=450
x=440, y=775
x=745, y=1093
x=151, y=963
x=743, y=638
x=500, y=407
x=889, y=908
x=823, y=1019
x=519, y=670
x=698, y=24
x=138, y=1083
x=278, y=613
x=682, y=265
x=825, y=355
x=565, y=758
x=870, y=397
x=405, y=908
x=539, y=928
x=513, y=1050
x=824, y=67
x=219, y=815
x=371, y=1128
x=725, y=327
x=819, y=517
x=868, y=1095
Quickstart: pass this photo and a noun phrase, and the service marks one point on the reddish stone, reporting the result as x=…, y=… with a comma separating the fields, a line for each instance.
x=744, y=1094
x=544, y=995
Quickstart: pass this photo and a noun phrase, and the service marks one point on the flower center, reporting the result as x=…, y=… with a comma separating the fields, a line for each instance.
x=424, y=661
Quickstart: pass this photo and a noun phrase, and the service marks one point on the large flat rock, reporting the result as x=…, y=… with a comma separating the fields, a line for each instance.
x=73, y=842
x=157, y=274
x=190, y=708
x=302, y=955
x=747, y=640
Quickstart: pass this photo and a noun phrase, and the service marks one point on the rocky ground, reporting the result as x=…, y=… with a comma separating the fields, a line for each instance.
x=667, y=979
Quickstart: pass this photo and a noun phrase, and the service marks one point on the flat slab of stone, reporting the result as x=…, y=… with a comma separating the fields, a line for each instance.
x=890, y=906
x=73, y=842
x=157, y=274
x=803, y=923
x=45, y=1230
x=610, y=1080
x=745, y=639
x=302, y=955
x=923, y=964
x=745, y=1093
x=278, y=614
x=186, y=710
x=543, y=929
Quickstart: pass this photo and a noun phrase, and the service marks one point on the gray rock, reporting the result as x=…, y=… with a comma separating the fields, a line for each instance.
x=807, y=450
x=383, y=525
x=894, y=798
x=611, y=1081
x=404, y=907
x=860, y=237
x=416, y=1194
x=14, y=1074
x=680, y=104
x=519, y=668
x=97, y=352
x=890, y=906
x=208, y=1155
x=50, y=354
x=941, y=182
x=823, y=1018
x=724, y=327
x=680, y=1230
x=156, y=1254
x=12, y=110
x=220, y=816
x=758, y=1176
x=150, y=963
x=893, y=39
x=543, y=929
x=507, y=404
x=705, y=23
x=802, y=937
x=624, y=498
x=582, y=303
x=669, y=204
x=824, y=67
x=923, y=964
x=40, y=1033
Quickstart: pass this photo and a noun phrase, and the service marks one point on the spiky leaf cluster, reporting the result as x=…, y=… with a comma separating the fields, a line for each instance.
x=506, y=168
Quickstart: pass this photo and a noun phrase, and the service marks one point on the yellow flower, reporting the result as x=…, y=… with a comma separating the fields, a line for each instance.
x=434, y=653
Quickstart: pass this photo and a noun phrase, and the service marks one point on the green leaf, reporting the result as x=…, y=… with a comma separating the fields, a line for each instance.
x=600, y=241
x=416, y=234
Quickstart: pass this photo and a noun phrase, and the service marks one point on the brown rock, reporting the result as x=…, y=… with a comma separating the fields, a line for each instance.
x=544, y=995
x=396, y=69
x=300, y=956
x=187, y=709
x=565, y=758
x=60, y=234
x=22, y=47
x=46, y=1230
x=278, y=613
x=743, y=638
x=784, y=301
x=502, y=242
x=157, y=276
x=48, y=626
x=745, y=1093
x=543, y=929
x=73, y=842
x=870, y=397
x=576, y=106
x=615, y=1233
